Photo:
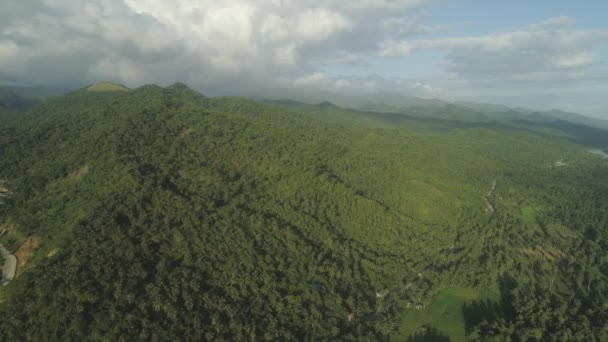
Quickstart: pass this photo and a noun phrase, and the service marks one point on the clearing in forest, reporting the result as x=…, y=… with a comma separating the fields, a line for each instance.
x=548, y=254
x=107, y=87
x=445, y=313
x=427, y=203
x=528, y=214
x=77, y=174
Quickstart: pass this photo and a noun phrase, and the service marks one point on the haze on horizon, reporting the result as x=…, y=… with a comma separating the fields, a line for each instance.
x=549, y=54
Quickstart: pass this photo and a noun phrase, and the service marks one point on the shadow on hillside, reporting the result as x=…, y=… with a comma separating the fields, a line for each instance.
x=579, y=133
x=429, y=335
x=491, y=311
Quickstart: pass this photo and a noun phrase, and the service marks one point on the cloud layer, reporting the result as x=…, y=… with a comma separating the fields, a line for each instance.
x=545, y=51
x=202, y=42
x=238, y=46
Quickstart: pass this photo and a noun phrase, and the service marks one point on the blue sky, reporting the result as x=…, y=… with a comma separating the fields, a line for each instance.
x=537, y=54
x=491, y=15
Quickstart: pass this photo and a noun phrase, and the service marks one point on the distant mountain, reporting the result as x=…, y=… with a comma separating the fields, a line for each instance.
x=36, y=92
x=379, y=102
x=12, y=101
x=577, y=118
x=391, y=102
x=436, y=108
x=483, y=107
x=447, y=116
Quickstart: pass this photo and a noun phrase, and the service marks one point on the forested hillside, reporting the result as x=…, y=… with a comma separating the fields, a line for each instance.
x=162, y=214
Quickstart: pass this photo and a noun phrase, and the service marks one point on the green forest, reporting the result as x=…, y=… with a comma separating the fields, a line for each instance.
x=161, y=214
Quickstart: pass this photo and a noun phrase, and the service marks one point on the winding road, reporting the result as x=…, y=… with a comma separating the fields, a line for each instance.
x=489, y=206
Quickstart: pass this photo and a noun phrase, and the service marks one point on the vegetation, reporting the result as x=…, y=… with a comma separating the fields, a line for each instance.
x=161, y=214
x=106, y=87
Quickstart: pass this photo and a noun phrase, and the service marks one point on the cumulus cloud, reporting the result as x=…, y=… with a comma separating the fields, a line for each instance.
x=540, y=52
x=314, y=79
x=553, y=22
x=575, y=60
x=233, y=46
x=396, y=49
x=203, y=42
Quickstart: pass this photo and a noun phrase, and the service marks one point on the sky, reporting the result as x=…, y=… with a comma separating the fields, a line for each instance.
x=538, y=54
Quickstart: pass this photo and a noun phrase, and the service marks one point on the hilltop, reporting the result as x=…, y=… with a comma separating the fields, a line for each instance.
x=106, y=87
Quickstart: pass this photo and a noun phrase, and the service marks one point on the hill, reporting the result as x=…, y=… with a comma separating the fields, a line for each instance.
x=13, y=102
x=163, y=214
x=106, y=87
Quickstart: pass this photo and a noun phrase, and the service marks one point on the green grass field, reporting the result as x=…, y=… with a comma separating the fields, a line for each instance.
x=444, y=314
x=528, y=214
x=107, y=86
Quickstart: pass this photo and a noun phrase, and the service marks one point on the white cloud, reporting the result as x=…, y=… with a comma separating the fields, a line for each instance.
x=315, y=79
x=233, y=46
x=274, y=29
x=396, y=49
x=286, y=55
x=342, y=84
x=353, y=85
x=319, y=24
x=428, y=88
x=530, y=55
x=553, y=22
x=8, y=50
x=575, y=60
x=163, y=41
x=384, y=4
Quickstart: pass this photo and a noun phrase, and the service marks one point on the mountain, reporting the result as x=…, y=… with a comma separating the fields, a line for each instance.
x=577, y=118
x=462, y=111
x=15, y=99
x=449, y=117
x=13, y=102
x=483, y=107
x=391, y=102
x=36, y=92
x=379, y=102
x=162, y=214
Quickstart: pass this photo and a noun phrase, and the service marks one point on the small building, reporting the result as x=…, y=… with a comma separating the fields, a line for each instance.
x=9, y=265
x=382, y=293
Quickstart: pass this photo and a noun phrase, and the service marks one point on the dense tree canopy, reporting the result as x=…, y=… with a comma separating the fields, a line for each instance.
x=164, y=214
